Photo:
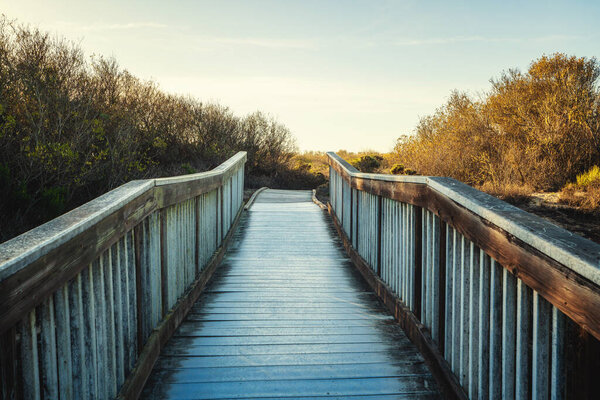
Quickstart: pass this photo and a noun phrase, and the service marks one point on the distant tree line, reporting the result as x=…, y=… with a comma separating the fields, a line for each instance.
x=72, y=129
x=537, y=129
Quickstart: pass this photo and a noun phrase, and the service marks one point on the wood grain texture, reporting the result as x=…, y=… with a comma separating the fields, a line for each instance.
x=288, y=316
x=416, y=332
x=50, y=266
x=572, y=293
x=136, y=380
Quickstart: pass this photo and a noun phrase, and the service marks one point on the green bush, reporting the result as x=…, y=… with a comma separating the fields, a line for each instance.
x=72, y=129
x=397, y=169
x=367, y=163
x=589, y=178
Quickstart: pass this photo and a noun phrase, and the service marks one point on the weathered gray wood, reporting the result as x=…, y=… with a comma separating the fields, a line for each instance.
x=63, y=342
x=465, y=266
x=111, y=346
x=449, y=314
x=557, y=373
x=118, y=265
x=509, y=312
x=483, y=353
x=36, y=264
x=79, y=356
x=495, y=365
x=264, y=319
x=559, y=265
x=88, y=311
x=540, y=385
x=474, y=289
x=29, y=358
x=522, y=360
x=47, y=354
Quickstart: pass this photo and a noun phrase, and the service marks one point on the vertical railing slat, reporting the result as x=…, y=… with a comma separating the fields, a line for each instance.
x=29, y=358
x=48, y=356
x=63, y=342
x=522, y=360
x=484, y=326
x=509, y=304
x=495, y=359
x=540, y=385
x=557, y=373
x=474, y=296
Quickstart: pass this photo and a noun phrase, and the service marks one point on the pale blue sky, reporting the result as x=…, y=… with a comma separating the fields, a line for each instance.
x=339, y=74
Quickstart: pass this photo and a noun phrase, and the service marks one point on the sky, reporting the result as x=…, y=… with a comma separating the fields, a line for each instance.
x=351, y=75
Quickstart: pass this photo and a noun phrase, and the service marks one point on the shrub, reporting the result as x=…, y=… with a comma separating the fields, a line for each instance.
x=72, y=129
x=397, y=169
x=367, y=163
x=585, y=193
x=589, y=178
x=538, y=128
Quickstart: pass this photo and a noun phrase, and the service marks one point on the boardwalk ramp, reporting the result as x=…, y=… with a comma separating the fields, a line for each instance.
x=288, y=316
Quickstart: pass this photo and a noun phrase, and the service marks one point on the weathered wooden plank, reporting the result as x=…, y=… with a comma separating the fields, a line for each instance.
x=441, y=370
x=28, y=287
x=35, y=265
x=474, y=296
x=88, y=312
x=565, y=272
x=557, y=356
x=273, y=388
x=118, y=269
x=9, y=365
x=523, y=354
x=540, y=385
x=29, y=358
x=509, y=325
x=398, y=339
x=265, y=360
x=495, y=346
x=301, y=323
x=134, y=383
x=295, y=372
x=483, y=353
x=48, y=351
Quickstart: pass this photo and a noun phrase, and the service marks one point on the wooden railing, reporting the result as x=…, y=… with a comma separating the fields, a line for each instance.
x=498, y=300
x=86, y=300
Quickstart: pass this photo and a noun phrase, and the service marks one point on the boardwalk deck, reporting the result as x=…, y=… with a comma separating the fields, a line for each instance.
x=287, y=316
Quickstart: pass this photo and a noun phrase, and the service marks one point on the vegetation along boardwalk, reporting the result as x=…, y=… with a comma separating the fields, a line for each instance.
x=287, y=315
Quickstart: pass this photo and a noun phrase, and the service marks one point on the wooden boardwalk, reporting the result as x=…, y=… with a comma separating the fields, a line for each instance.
x=288, y=316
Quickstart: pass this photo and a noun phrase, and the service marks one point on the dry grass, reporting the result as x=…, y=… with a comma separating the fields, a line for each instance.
x=585, y=194
x=510, y=192
x=587, y=198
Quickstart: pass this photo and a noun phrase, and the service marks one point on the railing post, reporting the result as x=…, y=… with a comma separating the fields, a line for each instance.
x=342, y=201
x=197, y=237
x=9, y=365
x=138, y=286
x=442, y=289
x=164, y=273
x=350, y=231
x=379, y=212
x=357, y=219
x=222, y=218
x=418, y=281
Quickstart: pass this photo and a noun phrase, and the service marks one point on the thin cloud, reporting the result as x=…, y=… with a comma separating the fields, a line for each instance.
x=107, y=27
x=259, y=42
x=481, y=39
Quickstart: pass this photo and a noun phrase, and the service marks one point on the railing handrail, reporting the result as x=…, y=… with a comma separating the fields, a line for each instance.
x=31, y=245
x=133, y=200
x=575, y=260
